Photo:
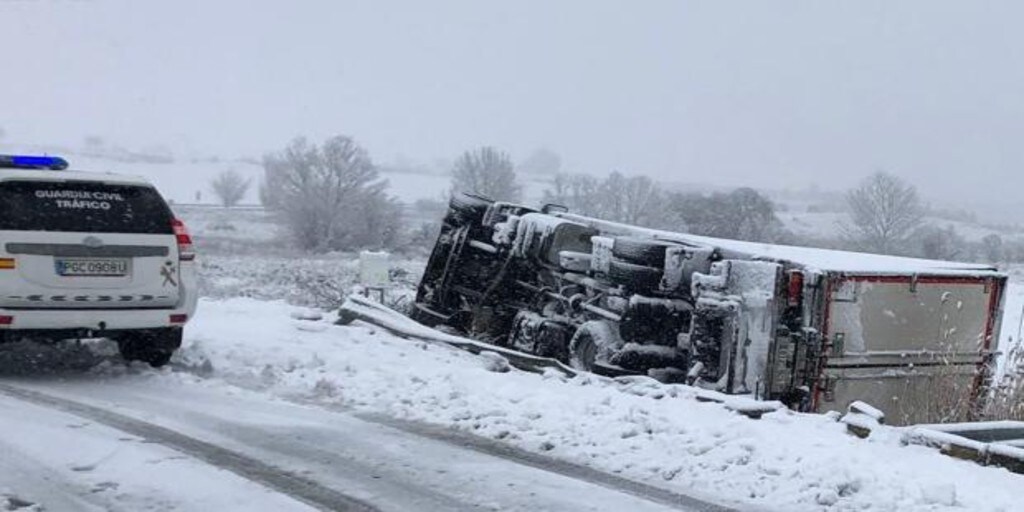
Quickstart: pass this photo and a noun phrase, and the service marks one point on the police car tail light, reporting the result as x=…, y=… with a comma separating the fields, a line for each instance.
x=186, y=252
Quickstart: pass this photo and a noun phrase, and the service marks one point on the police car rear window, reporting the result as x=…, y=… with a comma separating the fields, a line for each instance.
x=83, y=207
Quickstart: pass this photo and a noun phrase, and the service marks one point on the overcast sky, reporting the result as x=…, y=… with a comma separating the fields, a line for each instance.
x=732, y=93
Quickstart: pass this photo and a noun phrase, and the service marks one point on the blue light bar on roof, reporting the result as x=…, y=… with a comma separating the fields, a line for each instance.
x=53, y=163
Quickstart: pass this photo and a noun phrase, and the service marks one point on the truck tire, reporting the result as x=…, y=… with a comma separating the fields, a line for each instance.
x=637, y=278
x=595, y=341
x=640, y=251
x=154, y=346
x=468, y=207
x=553, y=341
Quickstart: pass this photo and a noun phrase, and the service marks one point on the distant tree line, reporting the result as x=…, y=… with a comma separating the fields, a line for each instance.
x=331, y=198
x=742, y=214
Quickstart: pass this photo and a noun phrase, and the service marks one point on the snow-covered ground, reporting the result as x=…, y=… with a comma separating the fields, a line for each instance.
x=54, y=461
x=643, y=430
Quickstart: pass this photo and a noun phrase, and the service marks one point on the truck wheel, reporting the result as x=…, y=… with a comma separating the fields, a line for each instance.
x=154, y=347
x=640, y=251
x=468, y=207
x=553, y=341
x=638, y=278
x=595, y=341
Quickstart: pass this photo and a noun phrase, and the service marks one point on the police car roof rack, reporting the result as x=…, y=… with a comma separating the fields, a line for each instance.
x=51, y=163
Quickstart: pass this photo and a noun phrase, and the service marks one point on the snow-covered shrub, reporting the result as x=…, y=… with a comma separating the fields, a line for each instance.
x=1007, y=402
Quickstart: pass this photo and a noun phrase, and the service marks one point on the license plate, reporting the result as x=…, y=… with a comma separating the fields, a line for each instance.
x=95, y=267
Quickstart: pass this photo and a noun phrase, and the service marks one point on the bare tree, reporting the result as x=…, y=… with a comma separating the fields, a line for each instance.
x=230, y=187
x=940, y=243
x=487, y=172
x=331, y=197
x=743, y=214
x=578, y=192
x=992, y=246
x=633, y=200
x=884, y=212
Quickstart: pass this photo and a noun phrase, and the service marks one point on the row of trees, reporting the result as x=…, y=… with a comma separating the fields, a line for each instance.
x=331, y=197
x=742, y=214
x=886, y=214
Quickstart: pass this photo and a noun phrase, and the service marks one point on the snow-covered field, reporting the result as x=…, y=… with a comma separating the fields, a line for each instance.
x=826, y=225
x=643, y=430
x=186, y=182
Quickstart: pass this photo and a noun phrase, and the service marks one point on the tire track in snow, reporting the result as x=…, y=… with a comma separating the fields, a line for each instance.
x=550, y=464
x=295, y=486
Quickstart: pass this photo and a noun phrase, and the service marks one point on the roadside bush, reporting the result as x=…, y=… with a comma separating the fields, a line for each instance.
x=1007, y=402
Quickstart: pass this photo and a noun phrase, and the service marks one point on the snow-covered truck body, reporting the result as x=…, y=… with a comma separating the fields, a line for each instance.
x=816, y=329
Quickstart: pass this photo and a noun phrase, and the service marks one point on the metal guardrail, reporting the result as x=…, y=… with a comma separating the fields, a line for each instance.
x=988, y=443
x=997, y=443
x=359, y=308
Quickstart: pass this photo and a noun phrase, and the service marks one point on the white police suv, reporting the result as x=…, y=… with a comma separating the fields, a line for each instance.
x=91, y=255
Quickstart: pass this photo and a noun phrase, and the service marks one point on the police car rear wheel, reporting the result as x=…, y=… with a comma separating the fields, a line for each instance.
x=154, y=347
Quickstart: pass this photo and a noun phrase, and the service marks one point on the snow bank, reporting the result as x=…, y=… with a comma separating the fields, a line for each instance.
x=639, y=429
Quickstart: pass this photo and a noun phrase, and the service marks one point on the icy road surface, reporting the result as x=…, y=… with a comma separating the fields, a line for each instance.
x=193, y=447
x=54, y=461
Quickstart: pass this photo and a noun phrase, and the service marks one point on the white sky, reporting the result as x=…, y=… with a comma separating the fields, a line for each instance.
x=724, y=92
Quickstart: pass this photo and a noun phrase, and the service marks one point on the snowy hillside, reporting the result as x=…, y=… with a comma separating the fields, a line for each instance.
x=187, y=182
x=826, y=225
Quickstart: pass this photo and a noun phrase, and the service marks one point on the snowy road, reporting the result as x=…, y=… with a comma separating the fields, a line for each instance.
x=234, y=446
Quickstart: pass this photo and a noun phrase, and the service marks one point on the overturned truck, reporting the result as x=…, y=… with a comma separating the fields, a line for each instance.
x=815, y=329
